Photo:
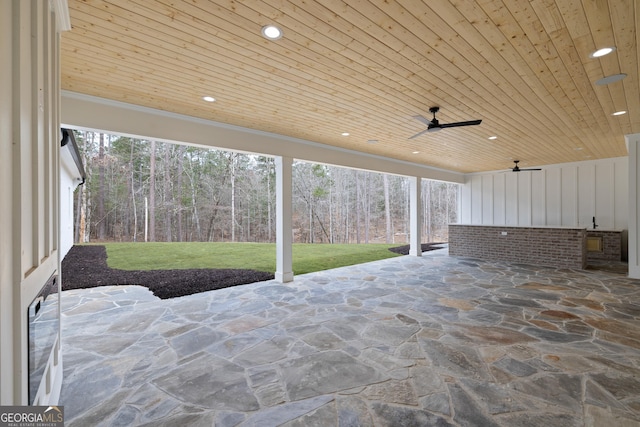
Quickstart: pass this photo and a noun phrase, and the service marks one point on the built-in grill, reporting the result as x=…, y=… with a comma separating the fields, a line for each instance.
x=43, y=324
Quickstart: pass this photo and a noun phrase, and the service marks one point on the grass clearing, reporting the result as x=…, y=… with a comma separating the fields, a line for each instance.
x=255, y=256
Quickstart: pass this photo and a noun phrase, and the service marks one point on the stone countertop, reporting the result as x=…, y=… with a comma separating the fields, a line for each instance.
x=589, y=229
x=523, y=226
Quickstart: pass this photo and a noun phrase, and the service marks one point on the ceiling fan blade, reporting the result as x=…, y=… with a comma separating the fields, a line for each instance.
x=419, y=133
x=530, y=169
x=422, y=119
x=434, y=125
x=468, y=123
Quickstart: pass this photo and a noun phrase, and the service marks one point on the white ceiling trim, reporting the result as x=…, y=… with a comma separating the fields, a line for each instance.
x=61, y=10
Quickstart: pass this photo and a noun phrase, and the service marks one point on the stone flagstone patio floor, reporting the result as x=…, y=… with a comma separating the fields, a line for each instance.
x=409, y=341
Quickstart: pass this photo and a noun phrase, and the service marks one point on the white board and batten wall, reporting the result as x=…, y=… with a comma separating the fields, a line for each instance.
x=562, y=195
x=29, y=190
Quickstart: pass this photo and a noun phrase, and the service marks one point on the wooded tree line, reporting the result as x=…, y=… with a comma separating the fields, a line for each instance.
x=138, y=190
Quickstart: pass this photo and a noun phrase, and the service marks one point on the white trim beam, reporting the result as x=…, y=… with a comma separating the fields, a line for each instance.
x=99, y=114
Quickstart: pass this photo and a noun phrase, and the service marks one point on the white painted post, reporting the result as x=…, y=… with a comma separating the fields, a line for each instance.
x=415, y=216
x=633, y=146
x=284, y=231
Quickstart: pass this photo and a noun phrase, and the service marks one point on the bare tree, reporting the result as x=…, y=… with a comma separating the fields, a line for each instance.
x=168, y=197
x=232, y=161
x=152, y=193
x=179, y=226
x=132, y=192
x=358, y=203
x=234, y=194
x=193, y=187
x=387, y=209
x=101, y=190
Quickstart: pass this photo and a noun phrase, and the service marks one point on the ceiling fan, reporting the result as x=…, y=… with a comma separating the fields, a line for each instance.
x=516, y=168
x=434, y=125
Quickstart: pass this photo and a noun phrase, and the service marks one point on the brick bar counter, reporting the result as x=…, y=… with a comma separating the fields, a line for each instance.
x=563, y=247
x=611, y=245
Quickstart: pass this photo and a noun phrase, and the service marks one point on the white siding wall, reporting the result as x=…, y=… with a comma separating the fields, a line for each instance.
x=67, y=186
x=29, y=187
x=568, y=194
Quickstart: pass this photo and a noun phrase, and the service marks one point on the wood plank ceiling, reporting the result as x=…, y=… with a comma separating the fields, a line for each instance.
x=366, y=67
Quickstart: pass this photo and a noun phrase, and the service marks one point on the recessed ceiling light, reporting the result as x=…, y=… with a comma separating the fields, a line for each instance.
x=493, y=137
x=271, y=32
x=415, y=152
x=578, y=148
x=209, y=98
x=602, y=52
x=372, y=141
x=619, y=113
x=611, y=79
x=345, y=134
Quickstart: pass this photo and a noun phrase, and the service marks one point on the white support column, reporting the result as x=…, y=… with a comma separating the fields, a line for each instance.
x=633, y=146
x=415, y=216
x=284, y=269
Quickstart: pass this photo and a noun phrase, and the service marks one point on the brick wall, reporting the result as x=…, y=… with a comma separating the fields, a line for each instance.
x=556, y=247
x=611, y=245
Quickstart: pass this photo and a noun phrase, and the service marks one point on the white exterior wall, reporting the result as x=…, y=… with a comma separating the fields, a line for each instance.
x=568, y=194
x=29, y=185
x=67, y=186
x=69, y=180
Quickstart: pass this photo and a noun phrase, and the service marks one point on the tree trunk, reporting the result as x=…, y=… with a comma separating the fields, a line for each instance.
x=407, y=210
x=387, y=209
x=331, y=215
x=101, y=190
x=179, y=231
x=427, y=215
x=191, y=175
x=152, y=193
x=76, y=223
x=358, y=202
x=79, y=224
x=132, y=193
x=85, y=216
x=168, y=199
x=366, y=207
x=346, y=212
x=233, y=197
x=146, y=219
x=269, y=206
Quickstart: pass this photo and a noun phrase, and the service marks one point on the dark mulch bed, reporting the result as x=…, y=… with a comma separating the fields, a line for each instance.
x=86, y=267
x=404, y=250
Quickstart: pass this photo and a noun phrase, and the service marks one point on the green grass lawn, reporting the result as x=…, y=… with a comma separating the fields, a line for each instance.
x=255, y=256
